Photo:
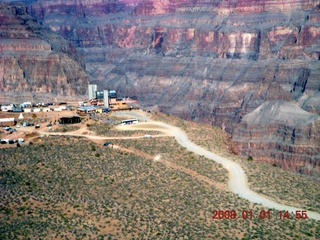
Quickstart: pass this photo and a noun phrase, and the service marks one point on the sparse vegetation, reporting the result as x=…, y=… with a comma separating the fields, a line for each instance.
x=104, y=129
x=69, y=187
x=276, y=183
x=64, y=128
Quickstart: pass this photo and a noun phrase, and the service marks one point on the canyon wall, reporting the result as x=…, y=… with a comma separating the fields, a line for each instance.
x=219, y=62
x=36, y=64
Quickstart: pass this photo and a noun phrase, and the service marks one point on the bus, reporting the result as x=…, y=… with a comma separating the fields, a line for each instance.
x=129, y=121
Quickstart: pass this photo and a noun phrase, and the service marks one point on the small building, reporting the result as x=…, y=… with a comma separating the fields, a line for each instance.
x=70, y=120
x=57, y=109
x=37, y=110
x=46, y=109
x=7, y=122
x=63, y=107
x=82, y=111
x=27, y=110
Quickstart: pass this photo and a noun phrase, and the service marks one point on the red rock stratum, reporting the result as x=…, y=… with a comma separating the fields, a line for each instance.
x=226, y=63
x=34, y=63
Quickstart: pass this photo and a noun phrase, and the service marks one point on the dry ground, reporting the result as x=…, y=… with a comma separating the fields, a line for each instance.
x=272, y=182
x=149, y=188
x=70, y=188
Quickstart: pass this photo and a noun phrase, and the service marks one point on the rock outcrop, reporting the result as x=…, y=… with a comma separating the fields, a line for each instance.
x=213, y=61
x=283, y=134
x=35, y=63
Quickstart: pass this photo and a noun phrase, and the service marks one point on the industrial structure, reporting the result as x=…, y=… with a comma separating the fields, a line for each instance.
x=109, y=99
x=92, y=89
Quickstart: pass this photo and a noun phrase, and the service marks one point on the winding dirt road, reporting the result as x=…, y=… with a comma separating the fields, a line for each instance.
x=238, y=183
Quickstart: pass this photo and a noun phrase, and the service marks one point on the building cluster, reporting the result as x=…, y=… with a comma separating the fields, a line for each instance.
x=99, y=102
x=31, y=107
x=109, y=99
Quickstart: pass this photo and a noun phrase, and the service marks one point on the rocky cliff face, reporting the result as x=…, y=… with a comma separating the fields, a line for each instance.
x=281, y=133
x=213, y=61
x=34, y=63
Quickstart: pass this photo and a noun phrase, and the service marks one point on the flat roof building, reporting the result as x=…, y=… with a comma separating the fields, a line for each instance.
x=7, y=122
x=70, y=120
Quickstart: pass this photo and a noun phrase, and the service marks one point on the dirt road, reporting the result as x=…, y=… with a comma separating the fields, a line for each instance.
x=238, y=183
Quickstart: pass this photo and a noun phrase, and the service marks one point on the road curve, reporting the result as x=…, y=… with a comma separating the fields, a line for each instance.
x=238, y=183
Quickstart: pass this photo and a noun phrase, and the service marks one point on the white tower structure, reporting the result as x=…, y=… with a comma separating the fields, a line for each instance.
x=106, y=98
x=92, y=89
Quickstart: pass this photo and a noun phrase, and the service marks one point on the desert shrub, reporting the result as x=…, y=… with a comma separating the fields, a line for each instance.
x=65, y=128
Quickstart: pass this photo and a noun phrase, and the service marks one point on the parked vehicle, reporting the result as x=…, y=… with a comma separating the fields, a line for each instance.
x=49, y=125
x=3, y=141
x=12, y=130
x=37, y=126
x=20, y=140
x=11, y=141
x=107, y=143
x=6, y=128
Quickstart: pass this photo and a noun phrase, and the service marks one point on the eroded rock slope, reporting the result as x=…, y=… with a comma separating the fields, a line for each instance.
x=36, y=64
x=215, y=61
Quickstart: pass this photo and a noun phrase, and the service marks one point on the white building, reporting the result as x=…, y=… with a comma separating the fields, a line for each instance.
x=63, y=107
x=46, y=109
x=92, y=89
x=7, y=122
x=106, y=98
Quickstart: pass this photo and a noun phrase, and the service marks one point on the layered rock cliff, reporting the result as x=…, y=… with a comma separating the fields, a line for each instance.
x=213, y=61
x=35, y=63
x=281, y=133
